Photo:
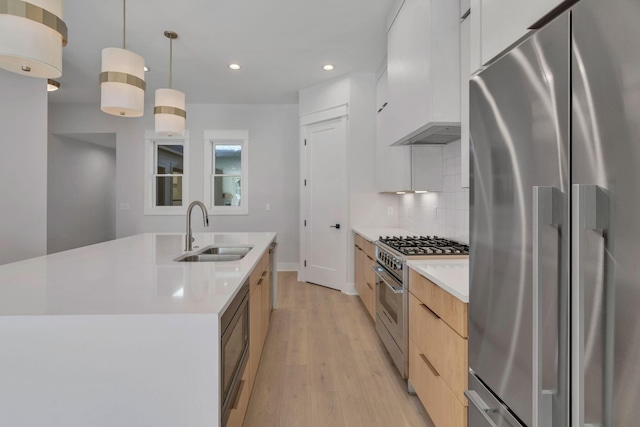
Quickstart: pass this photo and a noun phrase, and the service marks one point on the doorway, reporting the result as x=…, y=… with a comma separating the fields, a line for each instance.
x=324, y=203
x=81, y=190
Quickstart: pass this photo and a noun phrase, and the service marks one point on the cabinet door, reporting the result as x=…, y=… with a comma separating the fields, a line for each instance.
x=382, y=92
x=464, y=100
x=504, y=22
x=392, y=163
x=266, y=309
x=255, y=332
x=475, y=38
x=408, y=48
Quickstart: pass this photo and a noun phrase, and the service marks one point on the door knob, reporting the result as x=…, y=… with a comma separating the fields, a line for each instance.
x=335, y=226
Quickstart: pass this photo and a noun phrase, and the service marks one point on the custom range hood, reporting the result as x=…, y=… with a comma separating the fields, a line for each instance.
x=432, y=134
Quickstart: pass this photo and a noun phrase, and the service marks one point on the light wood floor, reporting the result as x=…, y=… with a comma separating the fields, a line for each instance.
x=323, y=365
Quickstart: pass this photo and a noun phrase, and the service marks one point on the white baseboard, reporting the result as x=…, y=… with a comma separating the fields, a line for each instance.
x=288, y=266
x=350, y=289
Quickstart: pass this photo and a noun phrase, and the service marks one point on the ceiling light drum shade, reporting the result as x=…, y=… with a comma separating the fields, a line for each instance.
x=32, y=35
x=169, y=112
x=122, y=83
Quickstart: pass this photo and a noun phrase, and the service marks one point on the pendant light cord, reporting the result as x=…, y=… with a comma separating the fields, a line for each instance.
x=170, y=63
x=124, y=24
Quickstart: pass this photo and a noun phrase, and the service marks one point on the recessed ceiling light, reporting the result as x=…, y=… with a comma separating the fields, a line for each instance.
x=52, y=85
x=234, y=66
x=146, y=68
x=328, y=67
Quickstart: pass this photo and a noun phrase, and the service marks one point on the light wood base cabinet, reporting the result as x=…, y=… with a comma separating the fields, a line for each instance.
x=438, y=351
x=443, y=408
x=364, y=277
x=259, y=316
x=239, y=409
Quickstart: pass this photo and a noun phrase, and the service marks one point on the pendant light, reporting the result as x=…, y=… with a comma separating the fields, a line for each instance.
x=31, y=37
x=169, y=111
x=122, y=82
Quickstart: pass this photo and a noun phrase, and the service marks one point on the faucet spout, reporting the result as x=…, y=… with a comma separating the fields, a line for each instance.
x=205, y=219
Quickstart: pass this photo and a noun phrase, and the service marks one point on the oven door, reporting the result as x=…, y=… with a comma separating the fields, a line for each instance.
x=389, y=308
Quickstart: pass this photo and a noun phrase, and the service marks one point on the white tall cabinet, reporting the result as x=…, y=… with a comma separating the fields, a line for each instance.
x=504, y=22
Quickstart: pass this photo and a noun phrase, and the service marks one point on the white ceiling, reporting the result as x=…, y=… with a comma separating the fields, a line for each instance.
x=280, y=44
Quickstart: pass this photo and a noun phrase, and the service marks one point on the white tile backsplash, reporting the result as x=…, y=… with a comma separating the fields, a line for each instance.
x=446, y=213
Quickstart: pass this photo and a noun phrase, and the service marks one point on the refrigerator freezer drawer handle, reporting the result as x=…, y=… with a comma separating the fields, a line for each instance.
x=482, y=407
x=548, y=210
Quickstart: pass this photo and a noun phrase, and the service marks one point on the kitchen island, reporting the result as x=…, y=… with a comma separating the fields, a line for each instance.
x=118, y=333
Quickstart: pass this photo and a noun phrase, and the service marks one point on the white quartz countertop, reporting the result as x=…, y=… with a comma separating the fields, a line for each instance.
x=132, y=275
x=373, y=233
x=452, y=275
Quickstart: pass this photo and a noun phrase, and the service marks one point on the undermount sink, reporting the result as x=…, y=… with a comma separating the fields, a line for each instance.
x=216, y=253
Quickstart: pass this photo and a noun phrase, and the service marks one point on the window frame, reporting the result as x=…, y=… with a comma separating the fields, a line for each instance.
x=150, y=157
x=240, y=137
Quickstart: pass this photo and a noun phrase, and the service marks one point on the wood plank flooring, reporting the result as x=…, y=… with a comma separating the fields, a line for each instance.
x=323, y=365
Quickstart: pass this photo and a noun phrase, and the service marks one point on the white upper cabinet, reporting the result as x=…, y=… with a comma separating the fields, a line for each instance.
x=504, y=22
x=475, y=36
x=423, y=65
x=465, y=59
x=393, y=164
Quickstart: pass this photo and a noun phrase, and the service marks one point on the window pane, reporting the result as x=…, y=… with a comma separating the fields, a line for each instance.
x=169, y=191
x=227, y=191
x=227, y=159
x=170, y=160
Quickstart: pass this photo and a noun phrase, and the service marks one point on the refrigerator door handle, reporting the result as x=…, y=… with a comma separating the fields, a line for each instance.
x=592, y=206
x=481, y=406
x=548, y=210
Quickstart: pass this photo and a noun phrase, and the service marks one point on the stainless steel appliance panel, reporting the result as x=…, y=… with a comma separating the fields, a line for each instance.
x=520, y=147
x=606, y=231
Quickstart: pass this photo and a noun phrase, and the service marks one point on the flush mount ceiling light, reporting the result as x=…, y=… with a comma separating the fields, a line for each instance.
x=146, y=69
x=234, y=66
x=328, y=67
x=52, y=85
x=169, y=111
x=122, y=82
x=31, y=37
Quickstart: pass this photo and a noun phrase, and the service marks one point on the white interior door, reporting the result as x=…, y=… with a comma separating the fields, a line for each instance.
x=325, y=203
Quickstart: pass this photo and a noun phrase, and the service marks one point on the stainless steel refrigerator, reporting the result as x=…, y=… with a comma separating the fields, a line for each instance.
x=554, y=320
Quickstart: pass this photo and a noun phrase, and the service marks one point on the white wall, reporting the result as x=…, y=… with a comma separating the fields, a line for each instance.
x=445, y=214
x=23, y=170
x=81, y=194
x=366, y=206
x=273, y=166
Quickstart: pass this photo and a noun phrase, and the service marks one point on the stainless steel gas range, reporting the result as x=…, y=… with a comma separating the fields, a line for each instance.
x=392, y=287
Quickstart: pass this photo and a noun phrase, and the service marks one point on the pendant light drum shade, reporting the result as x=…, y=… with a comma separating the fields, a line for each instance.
x=122, y=83
x=170, y=114
x=32, y=35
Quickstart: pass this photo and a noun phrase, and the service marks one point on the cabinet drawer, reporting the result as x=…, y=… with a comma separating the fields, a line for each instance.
x=443, y=408
x=450, y=309
x=447, y=350
x=236, y=417
x=368, y=247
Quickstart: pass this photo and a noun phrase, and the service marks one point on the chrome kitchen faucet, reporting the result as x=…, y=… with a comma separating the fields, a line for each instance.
x=205, y=219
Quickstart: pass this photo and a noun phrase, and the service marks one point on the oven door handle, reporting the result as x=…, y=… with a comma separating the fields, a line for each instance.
x=379, y=272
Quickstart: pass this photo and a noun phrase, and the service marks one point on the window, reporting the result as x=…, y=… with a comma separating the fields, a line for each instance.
x=166, y=171
x=225, y=171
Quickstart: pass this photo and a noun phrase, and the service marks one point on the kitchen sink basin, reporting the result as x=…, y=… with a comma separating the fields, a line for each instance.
x=216, y=253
